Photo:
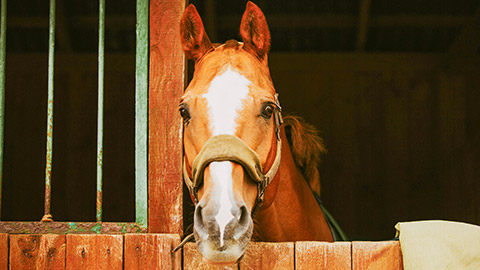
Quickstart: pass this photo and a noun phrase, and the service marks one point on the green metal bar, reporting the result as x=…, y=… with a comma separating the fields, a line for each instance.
x=3, y=39
x=101, y=84
x=141, y=115
x=51, y=54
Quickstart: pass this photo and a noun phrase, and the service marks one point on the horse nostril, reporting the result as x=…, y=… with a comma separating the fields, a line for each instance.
x=243, y=223
x=244, y=216
x=199, y=223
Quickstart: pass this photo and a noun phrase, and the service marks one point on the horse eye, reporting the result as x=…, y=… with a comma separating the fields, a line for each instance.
x=184, y=113
x=267, y=112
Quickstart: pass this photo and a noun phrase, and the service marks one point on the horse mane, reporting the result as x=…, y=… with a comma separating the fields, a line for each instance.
x=307, y=147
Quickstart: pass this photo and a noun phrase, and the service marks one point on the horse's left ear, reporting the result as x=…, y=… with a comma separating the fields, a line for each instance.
x=254, y=31
x=194, y=39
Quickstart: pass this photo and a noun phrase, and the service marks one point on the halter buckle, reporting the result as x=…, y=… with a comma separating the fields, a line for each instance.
x=278, y=117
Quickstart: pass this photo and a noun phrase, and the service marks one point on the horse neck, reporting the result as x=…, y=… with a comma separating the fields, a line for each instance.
x=290, y=211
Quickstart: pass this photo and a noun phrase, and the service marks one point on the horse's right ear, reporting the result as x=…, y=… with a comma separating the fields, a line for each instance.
x=194, y=39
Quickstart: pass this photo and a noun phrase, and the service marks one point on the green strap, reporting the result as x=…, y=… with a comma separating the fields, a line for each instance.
x=337, y=232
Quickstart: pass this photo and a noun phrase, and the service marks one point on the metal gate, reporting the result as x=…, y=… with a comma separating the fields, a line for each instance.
x=141, y=130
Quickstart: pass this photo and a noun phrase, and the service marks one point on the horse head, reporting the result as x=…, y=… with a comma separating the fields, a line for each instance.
x=231, y=137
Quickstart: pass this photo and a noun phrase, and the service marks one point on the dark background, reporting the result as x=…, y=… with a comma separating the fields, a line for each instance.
x=392, y=86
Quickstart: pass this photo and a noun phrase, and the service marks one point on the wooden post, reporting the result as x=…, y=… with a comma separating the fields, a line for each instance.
x=166, y=82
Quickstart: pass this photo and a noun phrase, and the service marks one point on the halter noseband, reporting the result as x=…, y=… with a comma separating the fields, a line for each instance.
x=231, y=148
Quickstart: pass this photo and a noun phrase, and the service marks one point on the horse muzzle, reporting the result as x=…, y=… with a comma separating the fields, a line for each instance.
x=222, y=233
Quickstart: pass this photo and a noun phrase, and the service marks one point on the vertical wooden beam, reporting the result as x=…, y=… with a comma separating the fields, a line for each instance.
x=376, y=255
x=363, y=20
x=94, y=251
x=166, y=82
x=33, y=251
x=323, y=255
x=396, y=133
x=3, y=251
x=451, y=146
x=152, y=251
x=64, y=41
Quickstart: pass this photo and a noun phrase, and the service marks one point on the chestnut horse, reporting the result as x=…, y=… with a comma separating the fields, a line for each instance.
x=234, y=141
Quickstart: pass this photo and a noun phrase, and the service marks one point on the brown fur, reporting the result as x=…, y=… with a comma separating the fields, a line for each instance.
x=307, y=148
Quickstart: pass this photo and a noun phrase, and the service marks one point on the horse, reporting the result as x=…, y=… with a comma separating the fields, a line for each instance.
x=234, y=140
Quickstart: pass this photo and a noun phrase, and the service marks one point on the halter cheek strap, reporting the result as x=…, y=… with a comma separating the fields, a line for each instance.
x=231, y=148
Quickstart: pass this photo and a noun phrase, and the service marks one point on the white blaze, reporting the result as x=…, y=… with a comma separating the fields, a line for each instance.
x=225, y=99
x=221, y=173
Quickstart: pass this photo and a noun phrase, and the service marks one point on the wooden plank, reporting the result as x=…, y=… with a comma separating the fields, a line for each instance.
x=323, y=255
x=425, y=202
x=167, y=64
x=457, y=200
x=376, y=255
x=342, y=145
x=363, y=19
x=97, y=251
x=192, y=259
x=152, y=251
x=257, y=256
x=3, y=251
x=397, y=174
x=261, y=255
x=37, y=251
x=20, y=227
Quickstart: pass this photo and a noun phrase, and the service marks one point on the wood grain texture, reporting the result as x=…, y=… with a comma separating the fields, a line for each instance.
x=323, y=255
x=152, y=251
x=94, y=251
x=34, y=251
x=376, y=255
x=3, y=251
x=166, y=78
x=192, y=260
x=452, y=147
x=260, y=255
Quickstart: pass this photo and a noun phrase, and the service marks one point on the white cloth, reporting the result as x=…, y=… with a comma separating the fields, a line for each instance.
x=439, y=244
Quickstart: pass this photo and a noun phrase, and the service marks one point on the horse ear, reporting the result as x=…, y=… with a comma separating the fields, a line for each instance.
x=195, y=41
x=254, y=31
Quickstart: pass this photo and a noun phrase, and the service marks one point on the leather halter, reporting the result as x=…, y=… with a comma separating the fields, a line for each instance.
x=231, y=148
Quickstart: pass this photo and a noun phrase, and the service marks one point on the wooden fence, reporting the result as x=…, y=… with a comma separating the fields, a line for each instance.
x=153, y=251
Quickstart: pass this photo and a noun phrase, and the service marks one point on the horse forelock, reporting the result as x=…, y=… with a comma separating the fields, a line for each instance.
x=307, y=147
